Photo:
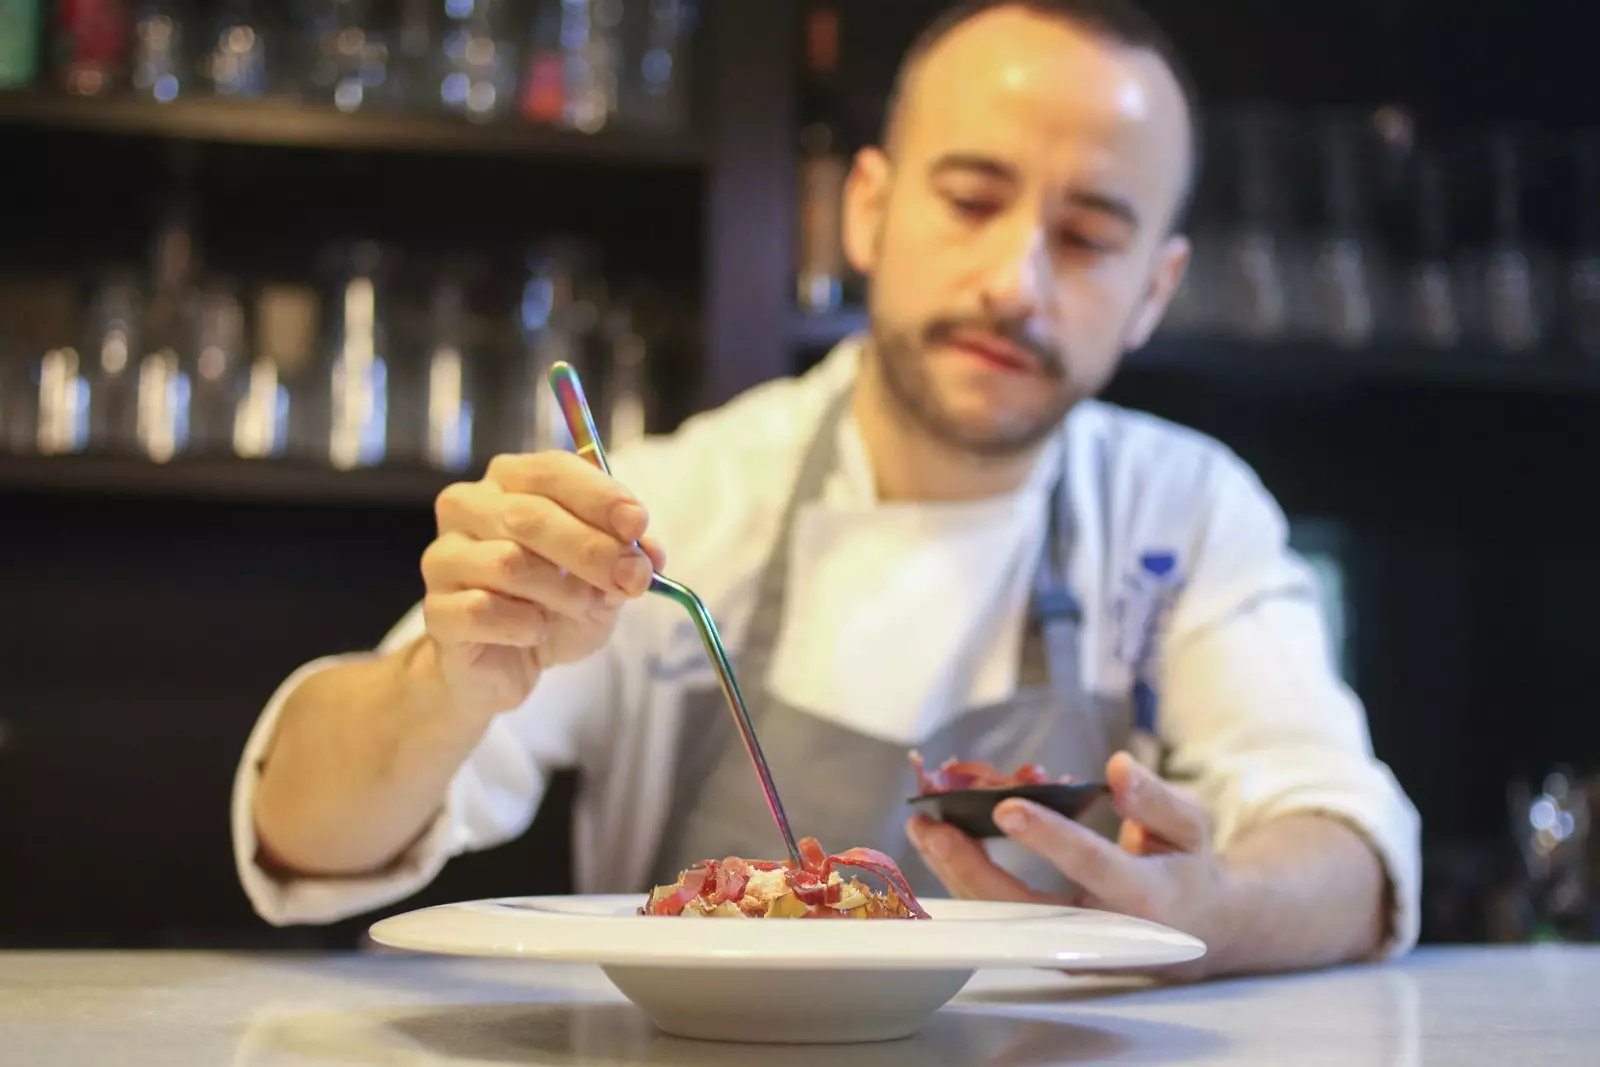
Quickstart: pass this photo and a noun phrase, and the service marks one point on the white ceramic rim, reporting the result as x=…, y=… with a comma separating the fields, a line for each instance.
x=966, y=934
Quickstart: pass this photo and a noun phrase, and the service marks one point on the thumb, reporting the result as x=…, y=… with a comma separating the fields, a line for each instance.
x=658, y=555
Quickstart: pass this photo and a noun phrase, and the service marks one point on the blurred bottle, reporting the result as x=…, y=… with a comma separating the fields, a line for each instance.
x=1432, y=301
x=591, y=34
x=542, y=94
x=413, y=82
x=234, y=63
x=158, y=50
x=1251, y=278
x=16, y=403
x=63, y=409
x=113, y=345
x=1345, y=260
x=358, y=379
x=16, y=398
x=820, y=264
x=91, y=45
x=556, y=319
x=165, y=382
x=626, y=392
x=1583, y=269
x=278, y=411
x=1510, y=282
x=449, y=410
x=19, y=43
x=658, y=48
x=349, y=55
x=1551, y=829
x=221, y=368
x=480, y=65
x=44, y=389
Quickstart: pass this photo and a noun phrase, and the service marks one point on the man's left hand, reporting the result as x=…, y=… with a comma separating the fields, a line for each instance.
x=1162, y=867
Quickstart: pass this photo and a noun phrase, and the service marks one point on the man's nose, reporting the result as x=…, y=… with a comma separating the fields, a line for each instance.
x=1011, y=285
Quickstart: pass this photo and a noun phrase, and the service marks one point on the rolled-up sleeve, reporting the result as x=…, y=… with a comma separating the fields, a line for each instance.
x=492, y=798
x=1256, y=716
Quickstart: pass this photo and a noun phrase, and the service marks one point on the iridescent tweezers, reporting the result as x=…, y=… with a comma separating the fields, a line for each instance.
x=580, y=423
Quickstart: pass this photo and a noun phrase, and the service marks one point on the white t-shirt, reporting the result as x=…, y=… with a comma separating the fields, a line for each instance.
x=1186, y=579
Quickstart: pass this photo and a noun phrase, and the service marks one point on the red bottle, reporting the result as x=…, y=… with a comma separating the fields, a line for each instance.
x=92, y=45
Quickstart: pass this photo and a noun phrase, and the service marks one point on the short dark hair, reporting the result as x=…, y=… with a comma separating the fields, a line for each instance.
x=1119, y=21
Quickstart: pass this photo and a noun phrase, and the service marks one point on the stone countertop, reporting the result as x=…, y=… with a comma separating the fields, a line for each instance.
x=1528, y=1006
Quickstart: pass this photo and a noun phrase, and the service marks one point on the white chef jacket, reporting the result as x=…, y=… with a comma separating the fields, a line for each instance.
x=899, y=615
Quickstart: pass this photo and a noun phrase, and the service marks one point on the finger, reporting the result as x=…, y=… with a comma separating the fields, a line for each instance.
x=467, y=508
x=1134, y=839
x=479, y=617
x=553, y=533
x=657, y=554
x=483, y=512
x=1144, y=798
x=585, y=491
x=961, y=863
x=454, y=563
x=1098, y=865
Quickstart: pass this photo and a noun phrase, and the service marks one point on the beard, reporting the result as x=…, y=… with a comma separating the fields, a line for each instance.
x=903, y=367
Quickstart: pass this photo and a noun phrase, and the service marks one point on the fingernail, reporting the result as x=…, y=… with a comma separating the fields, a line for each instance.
x=603, y=606
x=628, y=521
x=1011, y=819
x=632, y=573
x=1137, y=772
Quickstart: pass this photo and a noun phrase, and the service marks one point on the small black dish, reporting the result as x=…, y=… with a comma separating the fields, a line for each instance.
x=972, y=810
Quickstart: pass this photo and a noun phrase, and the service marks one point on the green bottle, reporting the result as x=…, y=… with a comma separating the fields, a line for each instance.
x=19, y=43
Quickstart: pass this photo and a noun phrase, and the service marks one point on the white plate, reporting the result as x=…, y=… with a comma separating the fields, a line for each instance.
x=789, y=980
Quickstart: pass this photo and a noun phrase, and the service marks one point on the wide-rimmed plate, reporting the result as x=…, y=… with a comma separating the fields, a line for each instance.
x=789, y=980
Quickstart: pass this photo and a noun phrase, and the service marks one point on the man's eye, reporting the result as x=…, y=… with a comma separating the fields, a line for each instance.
x=1081, y=242
x=971, y=208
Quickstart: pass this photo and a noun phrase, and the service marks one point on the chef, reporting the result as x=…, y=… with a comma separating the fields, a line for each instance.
x=937, y=540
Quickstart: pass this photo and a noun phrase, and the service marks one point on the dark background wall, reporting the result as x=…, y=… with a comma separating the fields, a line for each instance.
x=144, y=620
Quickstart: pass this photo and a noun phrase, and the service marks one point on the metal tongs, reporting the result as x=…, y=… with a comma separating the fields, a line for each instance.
x=580, y=423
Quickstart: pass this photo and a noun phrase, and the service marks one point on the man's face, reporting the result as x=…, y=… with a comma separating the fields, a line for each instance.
x=1016, y=231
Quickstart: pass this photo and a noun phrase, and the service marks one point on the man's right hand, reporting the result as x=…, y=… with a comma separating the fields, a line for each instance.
x=528, y=571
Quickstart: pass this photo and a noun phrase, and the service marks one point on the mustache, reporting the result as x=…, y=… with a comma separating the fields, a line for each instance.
x=944, y=329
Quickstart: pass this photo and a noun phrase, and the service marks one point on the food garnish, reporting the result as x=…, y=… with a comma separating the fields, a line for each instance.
x=970, y=774
x=763, y=889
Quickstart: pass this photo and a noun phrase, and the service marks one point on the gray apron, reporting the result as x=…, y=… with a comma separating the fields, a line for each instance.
x=849, y=789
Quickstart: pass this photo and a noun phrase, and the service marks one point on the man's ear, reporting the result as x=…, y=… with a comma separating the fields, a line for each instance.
x=1171, y=266
x=866, y=205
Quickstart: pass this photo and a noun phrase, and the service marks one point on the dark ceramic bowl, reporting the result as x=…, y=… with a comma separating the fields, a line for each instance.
x=972, y=810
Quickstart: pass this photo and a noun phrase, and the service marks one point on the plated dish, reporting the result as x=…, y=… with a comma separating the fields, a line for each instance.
x=789, y=982
x=801, y=982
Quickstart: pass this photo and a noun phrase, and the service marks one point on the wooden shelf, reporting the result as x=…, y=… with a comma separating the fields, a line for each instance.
x=285, y=123
x=263, y=481
x=1304, y=362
